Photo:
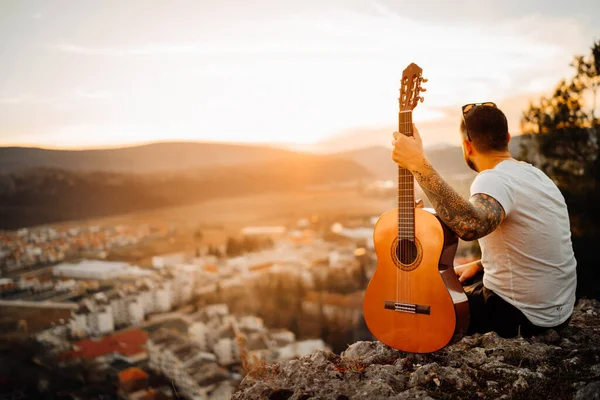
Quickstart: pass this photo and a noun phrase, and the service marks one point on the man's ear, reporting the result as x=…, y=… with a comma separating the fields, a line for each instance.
x=508, y=138
x=468, y=146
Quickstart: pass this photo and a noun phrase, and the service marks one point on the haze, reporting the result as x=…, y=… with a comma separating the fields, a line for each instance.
x=300, y=74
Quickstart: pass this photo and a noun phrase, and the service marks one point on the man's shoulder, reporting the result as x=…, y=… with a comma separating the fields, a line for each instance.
x=510, y=170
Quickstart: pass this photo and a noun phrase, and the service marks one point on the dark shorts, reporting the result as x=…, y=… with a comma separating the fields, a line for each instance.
x=489, y=312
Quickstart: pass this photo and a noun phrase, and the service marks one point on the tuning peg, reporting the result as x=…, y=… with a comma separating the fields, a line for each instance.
x=421, y=99
x=424, y=80
x=423, y=90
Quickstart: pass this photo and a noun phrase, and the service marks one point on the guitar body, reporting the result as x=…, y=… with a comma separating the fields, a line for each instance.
x=429, y=283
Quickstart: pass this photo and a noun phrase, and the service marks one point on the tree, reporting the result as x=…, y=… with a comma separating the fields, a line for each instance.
x=563, y=139
x=588, y=70
x=564, y=133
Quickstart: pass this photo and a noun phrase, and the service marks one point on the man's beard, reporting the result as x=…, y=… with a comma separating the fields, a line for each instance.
x=470, y=163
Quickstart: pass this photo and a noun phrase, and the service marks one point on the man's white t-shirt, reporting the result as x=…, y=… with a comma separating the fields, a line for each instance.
x=528, y=259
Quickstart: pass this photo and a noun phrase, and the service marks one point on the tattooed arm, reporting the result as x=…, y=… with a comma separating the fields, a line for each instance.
x=469, y=219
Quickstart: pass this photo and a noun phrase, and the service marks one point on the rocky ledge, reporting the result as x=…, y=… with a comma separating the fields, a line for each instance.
x=550, y=366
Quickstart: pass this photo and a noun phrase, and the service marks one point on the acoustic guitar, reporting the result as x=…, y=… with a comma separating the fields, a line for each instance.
x=414, y=301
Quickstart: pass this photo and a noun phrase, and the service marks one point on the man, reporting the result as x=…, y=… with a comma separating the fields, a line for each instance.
x=521, y=220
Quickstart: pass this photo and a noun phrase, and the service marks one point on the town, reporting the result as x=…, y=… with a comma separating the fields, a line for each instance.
x=191, y=323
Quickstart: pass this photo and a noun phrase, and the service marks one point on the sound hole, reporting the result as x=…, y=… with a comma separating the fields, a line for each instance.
x=406, y=251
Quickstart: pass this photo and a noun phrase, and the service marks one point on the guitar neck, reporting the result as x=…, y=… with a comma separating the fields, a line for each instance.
x=406, y=193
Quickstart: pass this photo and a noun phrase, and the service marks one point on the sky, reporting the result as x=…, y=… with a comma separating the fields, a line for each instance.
x=296, y=73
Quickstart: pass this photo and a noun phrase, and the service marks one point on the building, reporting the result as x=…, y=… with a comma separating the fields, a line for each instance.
x=195, y=372
x=119, y=308
x=184, y=278
x=227, y=351
x=155, y=297
x=200, y=334
x=133, y=379
x=135, y=309
x=100, y=321
x=78, y=325
x=165, y=260
x=92, y=269
x=127, y=346
x=6, y=284
x=65, y=285
x=264, y=230
x=94, y=317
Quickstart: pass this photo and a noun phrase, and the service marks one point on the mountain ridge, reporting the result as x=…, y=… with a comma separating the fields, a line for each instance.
x=40, y=195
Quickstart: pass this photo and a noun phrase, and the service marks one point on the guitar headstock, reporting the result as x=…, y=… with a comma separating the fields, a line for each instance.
x=410, y=87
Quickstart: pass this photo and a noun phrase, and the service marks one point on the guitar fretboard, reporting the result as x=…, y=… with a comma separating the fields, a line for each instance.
x=406, y=194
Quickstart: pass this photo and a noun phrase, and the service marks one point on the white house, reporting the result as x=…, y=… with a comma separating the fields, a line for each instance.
x=200, y=334
x=135, y=310
x=227, y=351
x=100, y=321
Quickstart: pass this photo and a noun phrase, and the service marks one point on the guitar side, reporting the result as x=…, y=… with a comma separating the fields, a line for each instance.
x=453, y=285
x=421, y=309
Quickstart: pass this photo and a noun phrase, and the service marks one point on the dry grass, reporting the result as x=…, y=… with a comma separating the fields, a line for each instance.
x=254, y=366
x=350, y=365
x=267, y=208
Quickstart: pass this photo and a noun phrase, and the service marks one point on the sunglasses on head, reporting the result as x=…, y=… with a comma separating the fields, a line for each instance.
x=468, y=107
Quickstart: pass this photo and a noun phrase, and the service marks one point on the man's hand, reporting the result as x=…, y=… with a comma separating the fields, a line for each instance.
x=408, y=150
x=467, y=271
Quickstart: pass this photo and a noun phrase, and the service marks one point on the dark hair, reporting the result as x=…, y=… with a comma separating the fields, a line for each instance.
x=488, y=128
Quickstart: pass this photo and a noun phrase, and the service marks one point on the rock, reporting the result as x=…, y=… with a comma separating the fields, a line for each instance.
x=403, y=364
x=475, y=357
x=423, y=375
x=449, y=375
x=556, y=364
x=413, y=393
x=372, y=353
x=492, y=386
x=520, y=385
x=386, y=374
x=551, y=337
x=591, y=391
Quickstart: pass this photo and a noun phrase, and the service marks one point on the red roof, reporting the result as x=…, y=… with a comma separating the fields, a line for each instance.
x=127, y=343
x=132, y=374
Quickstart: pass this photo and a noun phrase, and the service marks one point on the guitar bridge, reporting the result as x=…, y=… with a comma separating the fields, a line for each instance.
x=407, y=307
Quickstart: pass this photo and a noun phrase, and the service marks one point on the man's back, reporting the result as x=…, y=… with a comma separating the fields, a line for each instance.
x=528, y=260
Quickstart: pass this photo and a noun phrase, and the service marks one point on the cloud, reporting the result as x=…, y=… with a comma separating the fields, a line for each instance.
x=25, y=99
x=19, y=99
x=94, y=94
x=322, y=71
x=146, y=49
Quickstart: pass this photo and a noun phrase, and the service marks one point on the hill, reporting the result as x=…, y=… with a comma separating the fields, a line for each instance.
x=448, y=161
x=40, y=186
x=155, y=157
x=43, y=195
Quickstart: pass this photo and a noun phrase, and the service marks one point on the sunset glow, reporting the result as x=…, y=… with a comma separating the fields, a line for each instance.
x=271, y=72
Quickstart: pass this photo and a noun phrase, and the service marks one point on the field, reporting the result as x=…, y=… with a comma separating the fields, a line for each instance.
x=233, y=213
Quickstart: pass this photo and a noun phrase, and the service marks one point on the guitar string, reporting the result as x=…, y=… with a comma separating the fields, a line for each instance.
x=405, y=216
x=406, y=219
x=404, y=223
x=399, y=248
